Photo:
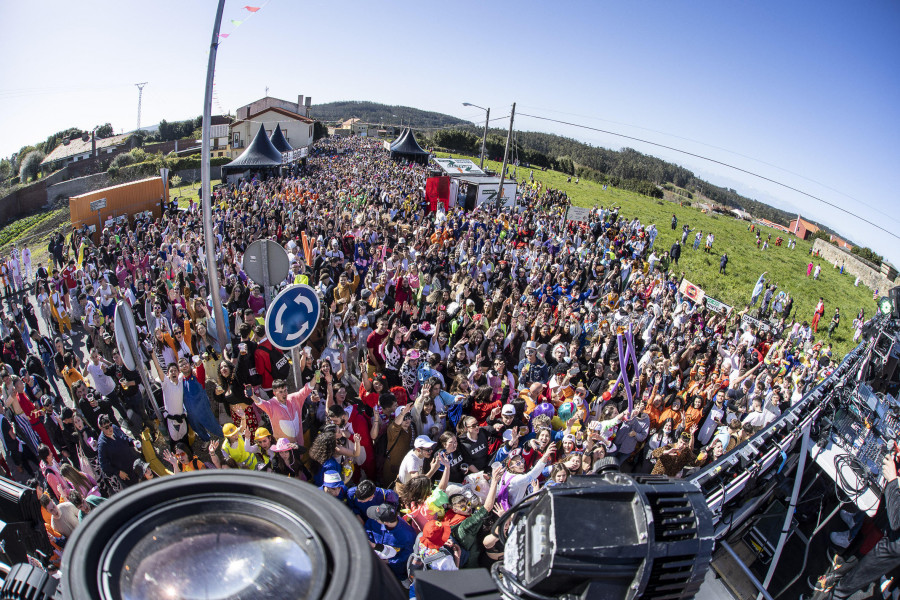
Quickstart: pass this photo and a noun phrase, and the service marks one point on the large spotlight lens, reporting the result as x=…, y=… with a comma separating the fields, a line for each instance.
x=244, y=548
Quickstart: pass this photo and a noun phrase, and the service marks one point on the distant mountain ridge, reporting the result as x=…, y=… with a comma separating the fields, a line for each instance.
x=372, y=112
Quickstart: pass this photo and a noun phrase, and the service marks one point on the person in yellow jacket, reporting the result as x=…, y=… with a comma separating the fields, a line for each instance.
x=264, y=441
x=233, y=447
x=345, y=289
x=298, y=274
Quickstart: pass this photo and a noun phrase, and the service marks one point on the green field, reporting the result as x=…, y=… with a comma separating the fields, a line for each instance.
x=787, y=268
x=185, y=192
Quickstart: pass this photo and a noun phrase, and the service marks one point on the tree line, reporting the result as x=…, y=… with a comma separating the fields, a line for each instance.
x=625, y=168
x=373, y=112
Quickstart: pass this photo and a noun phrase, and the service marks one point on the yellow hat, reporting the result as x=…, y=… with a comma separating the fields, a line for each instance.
x=229, y=429
x=262, y=432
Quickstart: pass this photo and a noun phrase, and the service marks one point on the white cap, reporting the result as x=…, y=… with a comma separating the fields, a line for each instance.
x=508, y=409
x=423, y=441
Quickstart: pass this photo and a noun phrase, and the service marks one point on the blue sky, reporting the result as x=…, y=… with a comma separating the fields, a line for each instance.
x=802, y=92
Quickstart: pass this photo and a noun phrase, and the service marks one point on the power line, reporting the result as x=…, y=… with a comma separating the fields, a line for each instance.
x=687, y=139
x=718, y=162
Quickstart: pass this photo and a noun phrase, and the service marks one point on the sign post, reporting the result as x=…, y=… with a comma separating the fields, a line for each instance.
x=126, y=341
x=291, y=318
x=266, y=262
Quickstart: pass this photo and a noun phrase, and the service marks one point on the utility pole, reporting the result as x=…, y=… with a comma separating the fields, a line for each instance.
x=512, y=116
x=487, y=119
x=209, y=240
x=140, y=87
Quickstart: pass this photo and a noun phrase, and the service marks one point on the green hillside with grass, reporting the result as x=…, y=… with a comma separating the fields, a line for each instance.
x=787, y=268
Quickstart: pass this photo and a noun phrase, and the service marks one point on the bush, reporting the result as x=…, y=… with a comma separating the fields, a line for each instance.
x=121, y=160
x=193, y=162
x=31, y=165
x=150, y=168
x=867, y=254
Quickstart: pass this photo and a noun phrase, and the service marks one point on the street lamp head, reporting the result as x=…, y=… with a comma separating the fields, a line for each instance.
x=466, y=104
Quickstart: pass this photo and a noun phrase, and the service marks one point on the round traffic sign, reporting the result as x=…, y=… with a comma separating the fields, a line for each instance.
x=292, y=316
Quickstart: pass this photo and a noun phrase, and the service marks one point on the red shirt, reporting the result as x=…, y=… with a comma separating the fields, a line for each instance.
x=373, y=343
x=68, y=274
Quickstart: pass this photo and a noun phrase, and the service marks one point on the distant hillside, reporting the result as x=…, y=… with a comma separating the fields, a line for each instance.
x=372, y=112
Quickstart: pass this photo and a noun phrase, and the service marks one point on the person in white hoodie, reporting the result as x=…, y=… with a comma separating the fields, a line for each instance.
x=515, y=482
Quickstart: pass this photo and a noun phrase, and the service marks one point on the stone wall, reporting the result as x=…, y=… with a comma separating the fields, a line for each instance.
x=869, y=275
x=29, y=199
x=74, y=187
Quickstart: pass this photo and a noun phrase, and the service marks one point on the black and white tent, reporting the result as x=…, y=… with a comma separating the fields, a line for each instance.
x=261, y=156
x=278, y=140
x=406, y=147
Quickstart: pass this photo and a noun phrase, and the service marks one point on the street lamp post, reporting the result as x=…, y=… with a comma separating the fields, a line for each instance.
x=487, y=118
x=209, y=242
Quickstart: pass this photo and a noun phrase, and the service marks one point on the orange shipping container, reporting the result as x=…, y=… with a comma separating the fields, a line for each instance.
x=125, y=199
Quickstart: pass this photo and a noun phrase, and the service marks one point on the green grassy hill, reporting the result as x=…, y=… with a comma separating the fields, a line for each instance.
x=787, y=268
x=373, y=112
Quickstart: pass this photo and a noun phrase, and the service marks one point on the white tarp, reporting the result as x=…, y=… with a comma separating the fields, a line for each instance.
x=487, y=192
x=458, y=166
x=578, y=213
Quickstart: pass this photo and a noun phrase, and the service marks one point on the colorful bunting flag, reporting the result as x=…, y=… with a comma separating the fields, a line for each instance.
x=235, y=22
x=223, y=35
x=252, y=9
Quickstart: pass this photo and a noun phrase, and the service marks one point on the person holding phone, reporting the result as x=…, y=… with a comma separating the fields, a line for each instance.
x=233, y=394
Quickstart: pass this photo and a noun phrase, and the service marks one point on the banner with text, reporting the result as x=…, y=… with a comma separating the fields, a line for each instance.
x=458, y=166
x=718, y=306
x=690, y=291
x=760, y=325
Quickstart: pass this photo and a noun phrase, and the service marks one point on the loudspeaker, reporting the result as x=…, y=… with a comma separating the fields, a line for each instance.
x=19, y=540
x=895, y=300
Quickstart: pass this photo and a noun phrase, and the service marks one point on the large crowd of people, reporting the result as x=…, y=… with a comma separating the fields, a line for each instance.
x=463, y=360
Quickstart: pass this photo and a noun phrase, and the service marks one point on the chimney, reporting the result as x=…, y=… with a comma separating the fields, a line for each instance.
x=93, y=144
x=299, y=102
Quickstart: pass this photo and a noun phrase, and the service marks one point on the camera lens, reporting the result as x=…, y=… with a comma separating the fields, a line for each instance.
x=236, y=552
x=223, y=535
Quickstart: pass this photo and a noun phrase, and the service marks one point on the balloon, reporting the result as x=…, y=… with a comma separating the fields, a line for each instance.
x=545, y=408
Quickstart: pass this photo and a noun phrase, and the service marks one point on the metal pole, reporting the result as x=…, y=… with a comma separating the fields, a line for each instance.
x=747, y=571
x=138, y=355
x=487, y=119
x=788, y=517
x=205, y=201
x=265, y=273
x=295, y=359
x=512, y=116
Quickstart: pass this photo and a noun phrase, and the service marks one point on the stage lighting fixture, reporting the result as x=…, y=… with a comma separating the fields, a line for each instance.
x=228, y=535
x=652, y=538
